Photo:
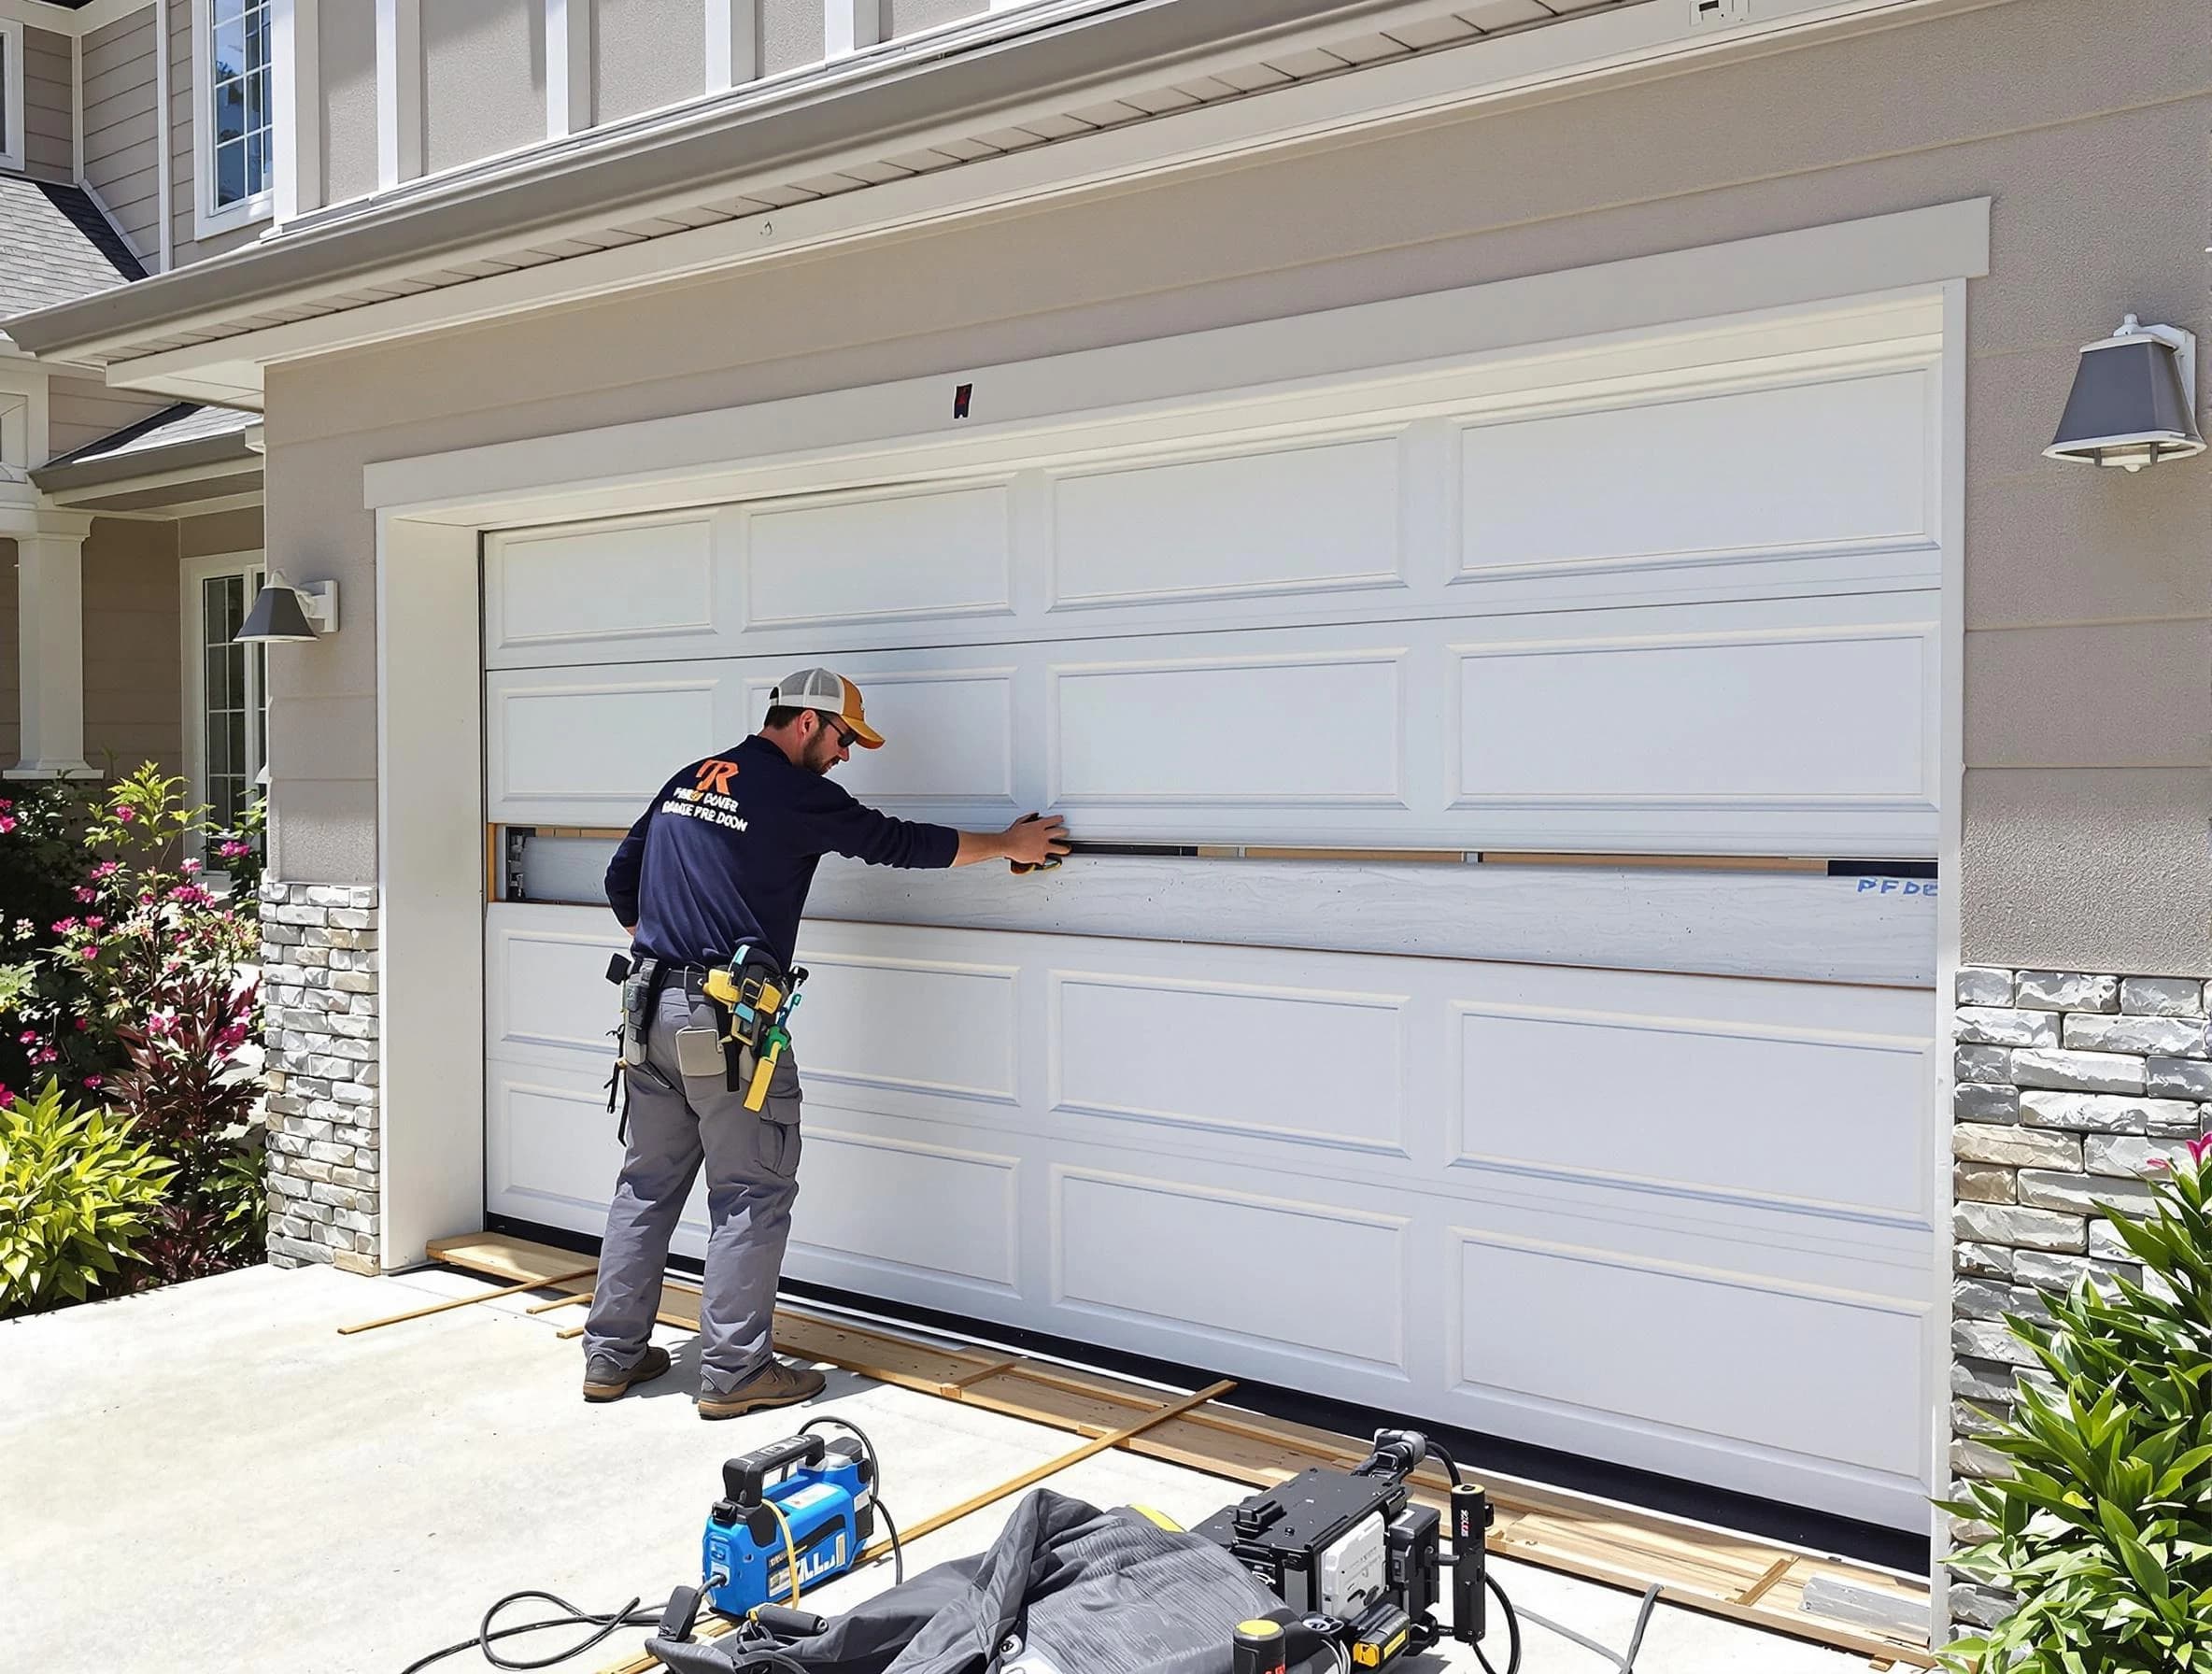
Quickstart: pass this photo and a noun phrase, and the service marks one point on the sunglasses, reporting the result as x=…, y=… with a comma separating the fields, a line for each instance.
x=846, y=737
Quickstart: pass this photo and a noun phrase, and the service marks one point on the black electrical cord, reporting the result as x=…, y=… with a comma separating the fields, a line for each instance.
x=608, y=1623
x=1513, y=1630
x=875, y=1465
x=1450, y=1468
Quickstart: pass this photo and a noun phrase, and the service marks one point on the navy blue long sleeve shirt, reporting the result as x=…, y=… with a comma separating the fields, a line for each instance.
x=724, y=857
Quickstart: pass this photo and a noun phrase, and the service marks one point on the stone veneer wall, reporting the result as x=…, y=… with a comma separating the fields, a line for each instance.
x=2068, y=1084
x=319, y=986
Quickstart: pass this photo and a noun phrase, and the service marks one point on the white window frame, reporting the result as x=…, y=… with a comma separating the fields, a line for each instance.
x=11, y=93
x=209, y=217
x=191, y=634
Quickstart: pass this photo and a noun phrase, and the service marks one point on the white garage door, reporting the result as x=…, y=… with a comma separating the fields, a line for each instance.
x=1410, y=1134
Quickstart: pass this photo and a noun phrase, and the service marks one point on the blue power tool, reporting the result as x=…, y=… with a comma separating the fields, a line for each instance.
x=805, y=1496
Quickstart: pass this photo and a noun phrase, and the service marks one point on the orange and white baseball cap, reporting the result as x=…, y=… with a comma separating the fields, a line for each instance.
x=831, y=693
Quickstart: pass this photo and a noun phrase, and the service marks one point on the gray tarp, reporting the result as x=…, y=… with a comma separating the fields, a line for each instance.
x=1094, y=1592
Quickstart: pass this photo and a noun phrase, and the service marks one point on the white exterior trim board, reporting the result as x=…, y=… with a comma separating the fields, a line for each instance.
x=11, y=93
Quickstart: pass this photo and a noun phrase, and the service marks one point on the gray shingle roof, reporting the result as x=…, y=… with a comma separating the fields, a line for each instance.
x=56, y=247
x=187, y=421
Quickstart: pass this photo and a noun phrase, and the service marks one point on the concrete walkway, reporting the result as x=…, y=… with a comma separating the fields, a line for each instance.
x=210, y=1480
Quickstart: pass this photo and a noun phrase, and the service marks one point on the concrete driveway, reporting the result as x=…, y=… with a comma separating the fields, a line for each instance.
x=210, y=1480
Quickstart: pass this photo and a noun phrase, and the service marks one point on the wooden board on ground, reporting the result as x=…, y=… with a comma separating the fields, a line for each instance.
x=1711, y=1570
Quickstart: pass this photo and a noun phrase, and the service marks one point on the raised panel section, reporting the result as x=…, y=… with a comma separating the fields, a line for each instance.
x=910, y=1026
x=1794, y=717
x=1730, y=1355
x=597, y=743
x=948, y=737
x=1305, y=520
x=878, y=558
x=553, y=1155
x=1301, y=730
x=1807, y=466
x=643, y=581
x=1115, y=1045
x=926, y=1209
x=549, y=989
x=1302, y=1278
x=1694, y=1105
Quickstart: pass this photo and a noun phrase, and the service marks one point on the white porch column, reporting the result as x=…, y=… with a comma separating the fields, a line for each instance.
x=49, y=605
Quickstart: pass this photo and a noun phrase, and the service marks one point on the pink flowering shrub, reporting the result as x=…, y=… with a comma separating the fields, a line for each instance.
x=126, y=987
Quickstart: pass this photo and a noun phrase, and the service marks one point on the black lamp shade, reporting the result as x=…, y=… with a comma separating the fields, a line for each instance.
x=274, y=619
x=2128, y=407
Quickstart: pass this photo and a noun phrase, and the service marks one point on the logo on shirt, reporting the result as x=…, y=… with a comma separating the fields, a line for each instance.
x=715, y=776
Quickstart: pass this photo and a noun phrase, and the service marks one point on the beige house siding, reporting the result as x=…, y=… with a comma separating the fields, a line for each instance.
x=908, y=16
x=791, y=35
x=121, y=119
x=132, y=684
x=187, y=248
x=348, y=40
x=2082, y=850
x=484, y=79
x=48, y=82
x=81, y=411
x=646, y=54
x=220, y=532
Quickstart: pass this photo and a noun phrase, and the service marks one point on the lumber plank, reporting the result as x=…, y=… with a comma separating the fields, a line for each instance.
x=1718, y=1573
x=447, y=1306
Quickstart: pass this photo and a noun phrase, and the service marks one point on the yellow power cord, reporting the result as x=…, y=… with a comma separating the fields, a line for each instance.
x=791, y=1548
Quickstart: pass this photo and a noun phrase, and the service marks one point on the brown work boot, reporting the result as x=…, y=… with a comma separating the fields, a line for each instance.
x=775, y=1384
x=605, y=1381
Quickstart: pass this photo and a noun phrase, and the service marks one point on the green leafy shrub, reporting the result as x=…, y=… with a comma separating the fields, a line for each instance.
x=2104, y=1529
x=43, y=861
x=78, y=1192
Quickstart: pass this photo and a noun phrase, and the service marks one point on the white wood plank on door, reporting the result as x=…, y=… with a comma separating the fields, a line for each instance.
x=635, y=581
x=879, y=556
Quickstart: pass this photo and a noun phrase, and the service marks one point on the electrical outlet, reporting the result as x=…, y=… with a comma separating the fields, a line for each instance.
x=1714, y=14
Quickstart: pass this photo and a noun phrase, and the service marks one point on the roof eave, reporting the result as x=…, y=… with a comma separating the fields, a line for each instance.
x=691, y=151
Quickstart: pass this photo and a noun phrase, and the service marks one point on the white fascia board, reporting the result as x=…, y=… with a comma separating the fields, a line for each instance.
x=1298, y=370
x=1634, y=41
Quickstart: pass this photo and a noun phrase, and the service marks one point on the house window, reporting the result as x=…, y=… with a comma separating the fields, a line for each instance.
x=226, y=701
x=234, y=136
x=11, y=94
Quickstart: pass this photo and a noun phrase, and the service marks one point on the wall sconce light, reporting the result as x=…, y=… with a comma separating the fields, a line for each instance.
x=2133, y=402
x=285, y=614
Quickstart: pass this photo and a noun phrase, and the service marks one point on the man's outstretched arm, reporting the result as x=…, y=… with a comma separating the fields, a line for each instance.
x=1027, y=841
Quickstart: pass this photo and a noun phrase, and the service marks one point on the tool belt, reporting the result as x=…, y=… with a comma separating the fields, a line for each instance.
x=753, y=998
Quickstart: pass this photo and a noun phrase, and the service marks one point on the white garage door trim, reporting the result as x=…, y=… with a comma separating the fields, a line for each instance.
x=430, y=859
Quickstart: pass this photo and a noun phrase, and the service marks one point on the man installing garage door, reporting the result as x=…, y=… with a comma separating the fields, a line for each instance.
x=709, y=882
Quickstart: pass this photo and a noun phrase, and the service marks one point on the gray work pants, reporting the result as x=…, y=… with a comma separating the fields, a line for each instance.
x=752, y=1163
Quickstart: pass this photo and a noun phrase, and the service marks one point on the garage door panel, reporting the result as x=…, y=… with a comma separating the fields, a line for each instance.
x=1269, y=521
x=1820, y=464
x=1297, y=730
x=547, y=593
x=572, y=748
x=1829, y=717
x=1698, y=1104
x=873, y=1208
x=952, y=732
x=1296, y=1276
x=551, y=1151
x=1733, y=1354
x=877, y=557
x=548, y=987
x=1266, y=1073
x=933, y=1026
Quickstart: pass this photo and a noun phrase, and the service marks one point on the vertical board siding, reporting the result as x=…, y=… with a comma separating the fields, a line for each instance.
x=134, y=701
x=47, y=98
x=121, y=122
